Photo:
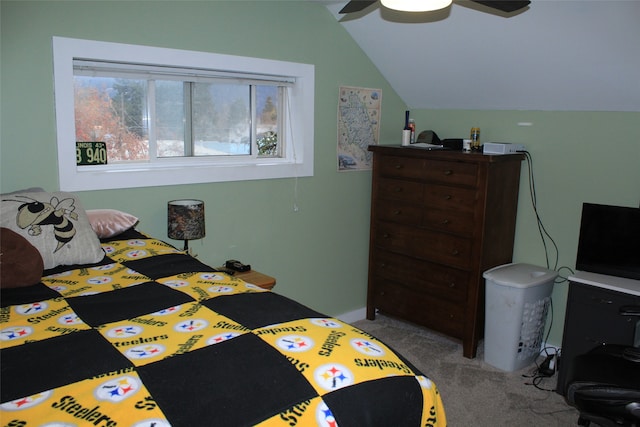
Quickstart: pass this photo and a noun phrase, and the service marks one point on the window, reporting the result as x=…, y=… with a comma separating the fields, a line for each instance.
x=175, y=117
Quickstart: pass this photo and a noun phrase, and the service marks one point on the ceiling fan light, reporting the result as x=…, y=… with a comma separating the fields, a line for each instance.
x=416, y=5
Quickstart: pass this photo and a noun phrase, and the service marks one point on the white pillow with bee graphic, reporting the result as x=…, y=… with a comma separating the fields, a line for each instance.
x=55, y=223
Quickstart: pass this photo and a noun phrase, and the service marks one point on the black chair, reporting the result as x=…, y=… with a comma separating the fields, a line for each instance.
x=604, y=386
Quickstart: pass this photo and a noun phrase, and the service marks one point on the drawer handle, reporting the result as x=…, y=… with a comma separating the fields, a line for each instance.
x=448, y=172
x=398, y=189
x=455, y=252
x=452, y=285
x=630, y=310
x=397, y=212
x=445, y=222
x=386, y=235
x=447, y=197
x=398, y=166
x=601, y=300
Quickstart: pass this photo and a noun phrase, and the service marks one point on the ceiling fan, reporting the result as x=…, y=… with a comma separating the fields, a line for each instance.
x=507, y=6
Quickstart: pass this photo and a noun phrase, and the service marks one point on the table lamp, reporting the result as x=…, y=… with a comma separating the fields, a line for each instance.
x=186, y=220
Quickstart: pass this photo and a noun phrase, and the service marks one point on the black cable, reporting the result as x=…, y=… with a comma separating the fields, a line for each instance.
x=541, y=228
x=538, y=375
x=560, y=278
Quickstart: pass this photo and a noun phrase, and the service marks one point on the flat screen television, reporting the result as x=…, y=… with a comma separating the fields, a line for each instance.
x=609, y=240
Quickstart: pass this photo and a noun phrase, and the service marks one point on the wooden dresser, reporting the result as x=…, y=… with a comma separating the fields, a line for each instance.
x=439, y=219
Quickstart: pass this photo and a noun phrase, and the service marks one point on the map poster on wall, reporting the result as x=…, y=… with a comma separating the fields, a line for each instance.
x=358, y=126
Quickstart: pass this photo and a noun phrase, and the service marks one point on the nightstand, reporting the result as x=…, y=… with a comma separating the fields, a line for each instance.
x=256, y=278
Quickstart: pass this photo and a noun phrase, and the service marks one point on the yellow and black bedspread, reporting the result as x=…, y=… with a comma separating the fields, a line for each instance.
x=153, y=337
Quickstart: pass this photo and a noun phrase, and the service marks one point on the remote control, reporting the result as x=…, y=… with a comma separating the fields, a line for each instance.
x=237, y=265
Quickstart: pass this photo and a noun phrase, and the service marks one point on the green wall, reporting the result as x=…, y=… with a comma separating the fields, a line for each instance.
x=577, y=157
x=319, y=253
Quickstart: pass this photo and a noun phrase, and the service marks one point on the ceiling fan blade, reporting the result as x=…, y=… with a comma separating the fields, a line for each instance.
x=356, y=6
x=504, y=5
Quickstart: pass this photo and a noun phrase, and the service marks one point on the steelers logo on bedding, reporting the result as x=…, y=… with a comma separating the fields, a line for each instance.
x=15, y=333
x=212, y=277
x=70, y=319
x=221, y=289
x=176, y=283
x=89, y=281
x=216, y=339
x=312, y=412
x=333, y=376
x=324, y=416
x=99, y=280
x=26, y=402
x=124, y=331
x=295, y=343
x=32, y=309
x=168, y=311
x=126, y=250
x=424, y=382
x=136, y=254
x=367, y=347
x=327, y=323
x=191, y=325
x=117, y=389
x=145, y=351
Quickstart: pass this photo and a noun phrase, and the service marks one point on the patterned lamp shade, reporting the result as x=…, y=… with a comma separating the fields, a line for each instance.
x=186, y=220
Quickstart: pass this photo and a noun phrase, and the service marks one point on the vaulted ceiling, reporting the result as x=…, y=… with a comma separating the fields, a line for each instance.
x=581, y=55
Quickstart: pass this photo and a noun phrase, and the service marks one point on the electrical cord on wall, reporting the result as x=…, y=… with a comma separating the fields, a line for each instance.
x=541, y=228
x=549, y=365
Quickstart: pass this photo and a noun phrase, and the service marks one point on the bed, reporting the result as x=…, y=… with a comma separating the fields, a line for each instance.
x=118, y=328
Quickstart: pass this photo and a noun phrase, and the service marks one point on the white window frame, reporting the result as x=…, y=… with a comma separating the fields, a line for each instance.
x=297, y=137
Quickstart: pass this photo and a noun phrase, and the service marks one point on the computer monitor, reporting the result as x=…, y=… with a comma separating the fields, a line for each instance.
x=609, y=240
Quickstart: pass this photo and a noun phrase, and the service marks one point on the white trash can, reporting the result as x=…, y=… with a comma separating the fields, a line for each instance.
x=516, y=304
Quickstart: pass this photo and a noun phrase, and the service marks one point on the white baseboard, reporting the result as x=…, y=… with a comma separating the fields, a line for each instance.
x=353, y=316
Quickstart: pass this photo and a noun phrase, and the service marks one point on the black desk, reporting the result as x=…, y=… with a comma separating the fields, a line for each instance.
x=595, y=316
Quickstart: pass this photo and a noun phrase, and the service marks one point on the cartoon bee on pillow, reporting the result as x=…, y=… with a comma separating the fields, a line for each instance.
x=33, y=214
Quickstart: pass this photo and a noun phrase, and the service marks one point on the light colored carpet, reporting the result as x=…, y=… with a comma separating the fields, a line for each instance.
x=474, y=393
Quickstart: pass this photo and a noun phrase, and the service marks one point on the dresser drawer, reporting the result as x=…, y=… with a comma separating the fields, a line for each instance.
x=589, y=330
x=453, y=221
x=397, y=211
x=451, y=172
x=424, y=244
x=396, y=189
x=602, y=300
x=422, y=276
x=395, y=298
x=453, y=198
x=401, y=167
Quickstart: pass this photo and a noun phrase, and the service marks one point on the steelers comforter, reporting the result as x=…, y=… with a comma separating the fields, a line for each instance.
x=153, y=337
